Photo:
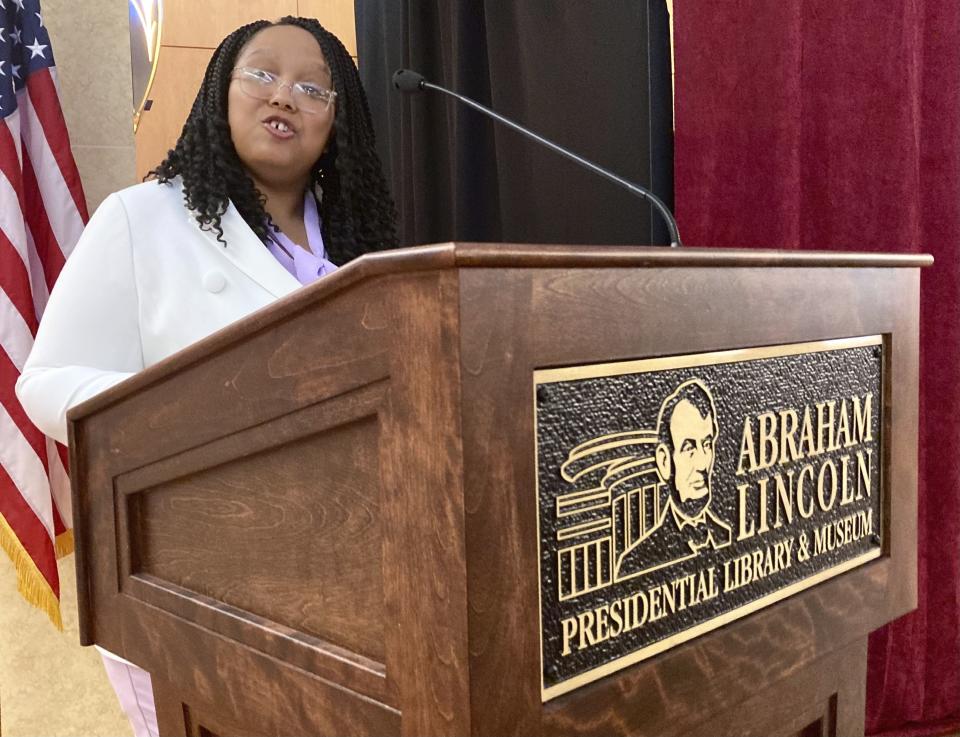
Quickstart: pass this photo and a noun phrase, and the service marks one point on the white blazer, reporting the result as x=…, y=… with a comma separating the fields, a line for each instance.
x=144, y=281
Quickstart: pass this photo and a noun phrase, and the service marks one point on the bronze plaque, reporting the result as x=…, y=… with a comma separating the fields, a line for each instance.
x=678, y=494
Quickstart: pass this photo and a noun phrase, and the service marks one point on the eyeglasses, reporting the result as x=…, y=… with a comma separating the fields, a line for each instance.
x=262, y=85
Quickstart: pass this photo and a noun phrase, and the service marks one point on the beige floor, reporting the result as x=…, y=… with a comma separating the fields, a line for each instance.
x=49, y=685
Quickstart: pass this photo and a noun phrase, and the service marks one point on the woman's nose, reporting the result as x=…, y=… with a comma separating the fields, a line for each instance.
x=283, y=97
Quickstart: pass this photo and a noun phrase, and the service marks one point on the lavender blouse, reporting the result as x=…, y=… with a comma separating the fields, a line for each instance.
x=305, y=266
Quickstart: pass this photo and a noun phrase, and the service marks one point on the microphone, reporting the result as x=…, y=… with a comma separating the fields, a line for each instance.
x=408, y=81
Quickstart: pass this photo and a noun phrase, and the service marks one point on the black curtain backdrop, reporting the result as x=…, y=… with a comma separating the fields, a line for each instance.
x=591, y=76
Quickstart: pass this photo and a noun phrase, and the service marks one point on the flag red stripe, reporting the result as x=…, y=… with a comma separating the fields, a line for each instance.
x=58, y=525
x=31, y=533
x=51, y=256
x=8, y=398
x=10, y=163
x=46, y=104
x=15, y=282
x=19, y=515
x=14, y=278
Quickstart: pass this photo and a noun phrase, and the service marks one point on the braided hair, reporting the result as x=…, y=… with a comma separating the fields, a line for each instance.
x=356, y=209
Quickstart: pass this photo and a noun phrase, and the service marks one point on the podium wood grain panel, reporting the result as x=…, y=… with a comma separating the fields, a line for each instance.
x=425, y=571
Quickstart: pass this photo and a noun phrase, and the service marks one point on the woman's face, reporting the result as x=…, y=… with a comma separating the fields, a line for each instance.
x=277, y=141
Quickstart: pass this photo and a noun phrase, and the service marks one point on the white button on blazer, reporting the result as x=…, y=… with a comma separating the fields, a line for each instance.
x=214, y=281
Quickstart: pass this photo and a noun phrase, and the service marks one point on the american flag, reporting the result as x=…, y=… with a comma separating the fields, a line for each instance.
x=42, y=212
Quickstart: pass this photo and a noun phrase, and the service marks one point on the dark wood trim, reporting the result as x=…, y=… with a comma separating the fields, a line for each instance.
x=508, y=255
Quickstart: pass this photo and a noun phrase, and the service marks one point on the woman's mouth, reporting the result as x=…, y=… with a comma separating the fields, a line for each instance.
x=279, y=128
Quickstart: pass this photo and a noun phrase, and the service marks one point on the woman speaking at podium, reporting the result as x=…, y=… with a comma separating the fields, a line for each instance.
x=273, y=181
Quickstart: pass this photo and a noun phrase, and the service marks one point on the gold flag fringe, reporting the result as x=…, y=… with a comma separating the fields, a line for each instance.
x=30, y=582
x=63, y=545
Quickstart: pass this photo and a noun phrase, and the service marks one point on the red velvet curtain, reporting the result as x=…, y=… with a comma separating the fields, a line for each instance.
x=820, y=124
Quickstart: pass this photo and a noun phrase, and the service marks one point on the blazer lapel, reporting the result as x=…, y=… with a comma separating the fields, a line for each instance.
x=247, y=252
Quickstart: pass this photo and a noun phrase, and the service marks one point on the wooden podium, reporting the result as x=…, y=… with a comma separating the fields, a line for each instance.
x=324, y=518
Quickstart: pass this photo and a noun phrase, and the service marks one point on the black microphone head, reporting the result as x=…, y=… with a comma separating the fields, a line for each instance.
x=407, y=80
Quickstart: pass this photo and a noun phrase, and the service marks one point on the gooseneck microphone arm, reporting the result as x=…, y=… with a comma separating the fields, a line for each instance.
x=408, y=81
